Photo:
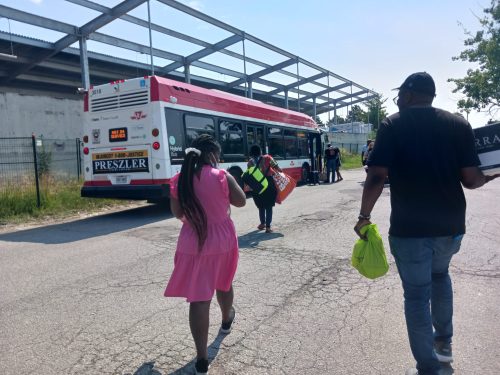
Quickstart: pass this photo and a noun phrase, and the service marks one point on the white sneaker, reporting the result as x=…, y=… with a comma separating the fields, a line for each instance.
x=443, y=352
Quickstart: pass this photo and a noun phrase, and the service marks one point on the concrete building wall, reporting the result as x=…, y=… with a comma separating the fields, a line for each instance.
x=23, y=113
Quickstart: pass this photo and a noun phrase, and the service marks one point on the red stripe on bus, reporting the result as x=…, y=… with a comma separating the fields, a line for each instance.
x=198, y=97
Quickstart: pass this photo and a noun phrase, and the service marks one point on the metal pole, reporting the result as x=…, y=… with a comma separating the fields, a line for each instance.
x=286, y=99
x=35, y=162
x=245, y=66
x=335, y=113
x=150, y=41
x=328, y=83
x=84, y=63
x=187, y=73
x=298, y=87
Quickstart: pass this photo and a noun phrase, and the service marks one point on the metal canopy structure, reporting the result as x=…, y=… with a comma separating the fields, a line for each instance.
x=62, y=66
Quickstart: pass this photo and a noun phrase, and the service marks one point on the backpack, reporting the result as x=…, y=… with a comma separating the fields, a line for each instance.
x=255, y=179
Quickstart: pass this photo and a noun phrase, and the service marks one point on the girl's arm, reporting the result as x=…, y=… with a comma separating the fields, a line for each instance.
x=237, y=196
x=176, y=208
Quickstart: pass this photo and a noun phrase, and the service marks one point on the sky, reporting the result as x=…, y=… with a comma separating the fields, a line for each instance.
x=376, y=44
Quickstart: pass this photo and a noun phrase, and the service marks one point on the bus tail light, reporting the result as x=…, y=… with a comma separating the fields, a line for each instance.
x=86, y=150
x=85, y=139
x=156, y=145
x=155, y=132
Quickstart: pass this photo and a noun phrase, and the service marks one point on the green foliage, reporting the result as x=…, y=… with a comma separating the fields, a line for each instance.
x=349, y=160
x=481, y=85
x=319, y=121
x=356, y=114
x=340, y=120
x=61, y=199
x=44, y=159
x=376, y=111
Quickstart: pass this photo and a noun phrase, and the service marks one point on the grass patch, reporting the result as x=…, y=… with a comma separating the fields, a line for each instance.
x=350, y=161
x=57, y=199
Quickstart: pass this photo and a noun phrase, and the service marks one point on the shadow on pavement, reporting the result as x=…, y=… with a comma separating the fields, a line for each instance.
x=252, y=239
x=147, y=368
x=213, y=350
x=90, y=227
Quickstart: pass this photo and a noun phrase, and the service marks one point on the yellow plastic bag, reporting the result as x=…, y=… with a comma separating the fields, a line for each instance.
x=368, y=257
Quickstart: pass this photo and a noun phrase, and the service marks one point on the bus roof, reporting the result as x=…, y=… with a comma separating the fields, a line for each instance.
x=164, y=89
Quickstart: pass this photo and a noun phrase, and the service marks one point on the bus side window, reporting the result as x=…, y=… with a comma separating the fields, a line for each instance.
x=275, y=143
x=255, y=136
x=175, y=133
x=303, y=146
x=290, y=144
x=231, y=140
x=197, y=125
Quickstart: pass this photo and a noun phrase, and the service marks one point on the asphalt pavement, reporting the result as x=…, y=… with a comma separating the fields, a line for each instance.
x=85, y=295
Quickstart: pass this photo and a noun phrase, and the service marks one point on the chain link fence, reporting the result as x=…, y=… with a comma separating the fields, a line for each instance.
x=32, y=165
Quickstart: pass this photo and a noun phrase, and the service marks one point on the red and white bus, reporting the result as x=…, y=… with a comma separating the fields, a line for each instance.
x=136, y=131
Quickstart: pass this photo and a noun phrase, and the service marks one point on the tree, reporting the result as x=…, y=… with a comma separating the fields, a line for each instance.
x=340, y=120
x=356, y=114
x=481, y=85
x=376, y=111
x=319, y=121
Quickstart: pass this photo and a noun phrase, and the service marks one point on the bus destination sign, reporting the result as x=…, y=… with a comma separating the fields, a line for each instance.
x=120, y=162
x=118, y=135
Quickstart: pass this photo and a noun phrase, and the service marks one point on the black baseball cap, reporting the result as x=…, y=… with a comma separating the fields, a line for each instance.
x=421, y=82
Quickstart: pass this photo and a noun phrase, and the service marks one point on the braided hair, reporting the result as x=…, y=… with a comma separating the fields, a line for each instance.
x=193, y=210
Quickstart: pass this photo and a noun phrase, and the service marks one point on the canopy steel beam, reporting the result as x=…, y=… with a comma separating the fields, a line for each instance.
x=117, y=42
x=204, y=52
x=132, y=64
x=85, y=30
x=326, y=91
x=263, y=72
x=345, y=104
x=32, y=19
x=300, y=82
x=187, y=38
x=25, y=62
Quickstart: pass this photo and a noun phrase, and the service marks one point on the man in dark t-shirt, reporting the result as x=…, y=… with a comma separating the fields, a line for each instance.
x=428, y=154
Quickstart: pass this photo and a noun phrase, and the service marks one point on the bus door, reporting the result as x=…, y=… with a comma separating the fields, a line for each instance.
x=315, y=156
x=255, y=136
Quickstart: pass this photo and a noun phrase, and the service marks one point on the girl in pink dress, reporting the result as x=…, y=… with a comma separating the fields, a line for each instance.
x=207, y=249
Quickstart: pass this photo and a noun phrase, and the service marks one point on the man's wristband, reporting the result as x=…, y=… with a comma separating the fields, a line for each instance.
x=364, y=217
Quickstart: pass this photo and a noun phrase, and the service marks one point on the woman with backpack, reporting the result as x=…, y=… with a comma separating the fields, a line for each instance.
x=266, y=200
x=207, y=249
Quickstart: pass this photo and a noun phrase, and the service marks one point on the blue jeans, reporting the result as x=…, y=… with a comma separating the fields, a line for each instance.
x=266, y=216
x=423, y=267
